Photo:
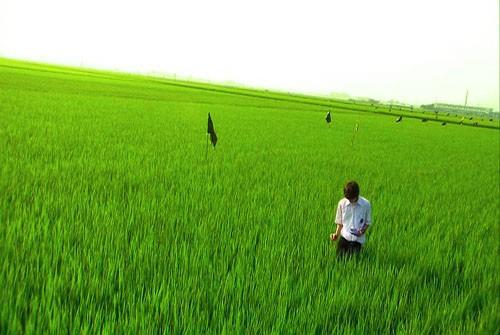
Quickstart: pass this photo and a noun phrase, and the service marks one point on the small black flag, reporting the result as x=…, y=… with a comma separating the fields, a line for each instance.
x=443, y=124
x=211, y=131
x=328, y=118
x=399, y=118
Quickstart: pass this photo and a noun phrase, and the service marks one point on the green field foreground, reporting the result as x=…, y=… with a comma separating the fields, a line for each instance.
x=112, y=219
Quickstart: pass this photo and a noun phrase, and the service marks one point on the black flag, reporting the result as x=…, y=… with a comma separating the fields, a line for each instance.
x=211, y=131
x=399, y=118
x=328, y=118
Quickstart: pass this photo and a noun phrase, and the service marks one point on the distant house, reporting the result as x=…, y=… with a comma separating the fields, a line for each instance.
x=365, y=99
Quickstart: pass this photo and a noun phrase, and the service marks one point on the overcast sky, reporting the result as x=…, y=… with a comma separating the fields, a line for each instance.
x=418, y=51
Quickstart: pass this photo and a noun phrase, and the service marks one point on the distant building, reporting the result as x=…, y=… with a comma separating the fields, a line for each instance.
x=396, y=103
x=458, y=109
x=364, y=99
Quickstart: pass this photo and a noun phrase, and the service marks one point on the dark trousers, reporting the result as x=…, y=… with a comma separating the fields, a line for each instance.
x=345, y=247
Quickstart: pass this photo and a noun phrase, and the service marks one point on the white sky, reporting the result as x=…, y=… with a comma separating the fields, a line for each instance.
x=418, y=51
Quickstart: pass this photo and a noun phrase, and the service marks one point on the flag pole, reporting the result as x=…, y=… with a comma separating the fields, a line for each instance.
x=465, y=104
x=354, y=134
x=206, y=150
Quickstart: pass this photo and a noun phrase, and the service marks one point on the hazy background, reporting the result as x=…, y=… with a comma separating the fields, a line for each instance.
x=413, y=51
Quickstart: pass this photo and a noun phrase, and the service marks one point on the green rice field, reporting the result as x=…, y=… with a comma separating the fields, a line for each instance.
x=115, y=218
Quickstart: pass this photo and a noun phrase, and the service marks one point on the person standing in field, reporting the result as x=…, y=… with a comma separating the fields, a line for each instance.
x=352, y=219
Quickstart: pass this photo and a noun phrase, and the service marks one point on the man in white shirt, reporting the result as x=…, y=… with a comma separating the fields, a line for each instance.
x=353, y=219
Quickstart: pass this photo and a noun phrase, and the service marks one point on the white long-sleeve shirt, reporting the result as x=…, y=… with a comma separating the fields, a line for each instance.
x=353, y=216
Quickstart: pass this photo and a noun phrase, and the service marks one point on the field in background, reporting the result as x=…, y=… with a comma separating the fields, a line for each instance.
x=112, y=219
x=333, y=104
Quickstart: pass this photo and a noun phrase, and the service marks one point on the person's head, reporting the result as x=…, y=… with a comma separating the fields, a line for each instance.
x=351, y=191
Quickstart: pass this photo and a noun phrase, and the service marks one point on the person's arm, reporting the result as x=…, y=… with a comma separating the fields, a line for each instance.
x=338, y=222
x=368, y=221
x=336, y=235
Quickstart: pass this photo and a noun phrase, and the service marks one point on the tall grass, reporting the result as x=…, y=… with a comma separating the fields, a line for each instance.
x=112, y=219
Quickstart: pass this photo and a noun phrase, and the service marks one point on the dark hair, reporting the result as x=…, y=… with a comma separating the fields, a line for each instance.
x=351, y=190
